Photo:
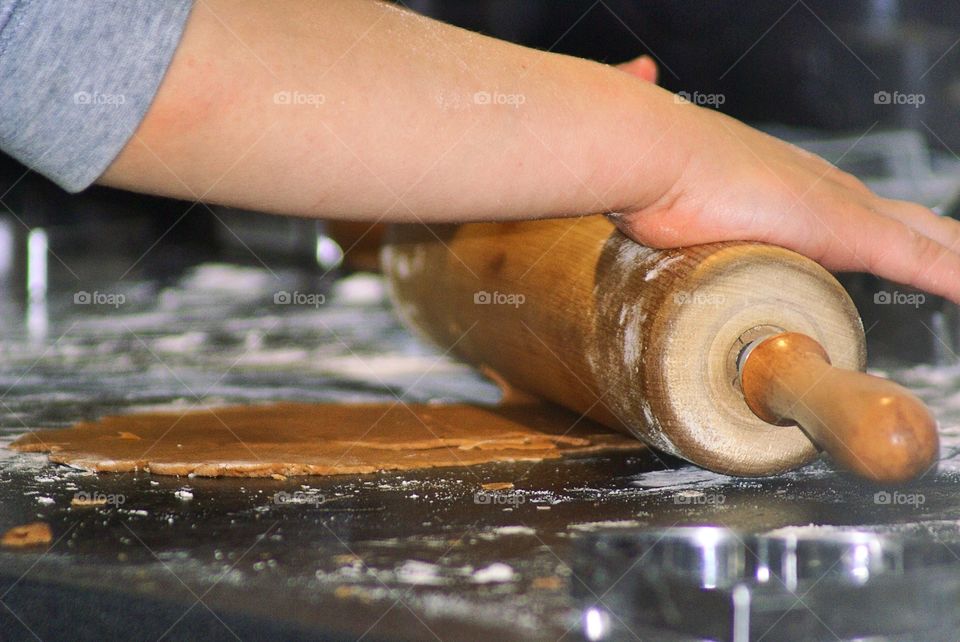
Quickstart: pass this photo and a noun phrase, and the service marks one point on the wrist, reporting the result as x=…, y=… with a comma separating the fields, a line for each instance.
x=648, y=139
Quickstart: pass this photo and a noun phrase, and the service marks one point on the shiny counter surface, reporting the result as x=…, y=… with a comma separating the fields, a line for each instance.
x=427, y=555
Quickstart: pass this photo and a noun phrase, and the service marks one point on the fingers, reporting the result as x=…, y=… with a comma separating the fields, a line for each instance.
x=913, y=247
x=643, y=68
x=901, y=253
x=897, y=240
x=852, y=237
x=943, y=230
x=839, y=223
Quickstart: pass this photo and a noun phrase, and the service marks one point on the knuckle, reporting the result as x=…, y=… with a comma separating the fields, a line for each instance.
x=853, y=183
x=924, y=253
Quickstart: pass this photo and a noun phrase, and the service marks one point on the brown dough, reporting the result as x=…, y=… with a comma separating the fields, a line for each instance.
x=323, y=439
x=497, y=486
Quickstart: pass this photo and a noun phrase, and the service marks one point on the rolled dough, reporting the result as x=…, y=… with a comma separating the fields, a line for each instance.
x=323, y=439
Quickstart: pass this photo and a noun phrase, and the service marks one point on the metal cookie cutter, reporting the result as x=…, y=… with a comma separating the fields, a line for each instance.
x=706, y=582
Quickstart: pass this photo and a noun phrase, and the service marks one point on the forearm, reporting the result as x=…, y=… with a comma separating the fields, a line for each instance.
x=355, y=109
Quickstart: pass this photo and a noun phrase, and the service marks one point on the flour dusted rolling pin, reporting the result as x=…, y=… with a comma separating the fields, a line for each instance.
x=665, y=343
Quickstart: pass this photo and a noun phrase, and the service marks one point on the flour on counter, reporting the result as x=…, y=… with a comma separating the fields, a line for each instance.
x=678, y=478
x=514, y=530
x=605, y=524
x=496, y=572
x=419, y=574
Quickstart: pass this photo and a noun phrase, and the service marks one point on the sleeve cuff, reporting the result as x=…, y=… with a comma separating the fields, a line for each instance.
x=78, y=78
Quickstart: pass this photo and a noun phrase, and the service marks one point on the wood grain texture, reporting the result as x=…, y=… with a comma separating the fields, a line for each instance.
x=638, y=339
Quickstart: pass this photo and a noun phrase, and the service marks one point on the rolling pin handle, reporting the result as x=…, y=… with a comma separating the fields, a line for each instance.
x=871, y=426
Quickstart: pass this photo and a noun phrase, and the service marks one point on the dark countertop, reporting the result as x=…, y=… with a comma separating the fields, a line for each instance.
x=388, y=556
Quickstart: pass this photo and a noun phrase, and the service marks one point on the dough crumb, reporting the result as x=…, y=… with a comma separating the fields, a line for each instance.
x=549, y=583
x=25, y=535
x=497, y=486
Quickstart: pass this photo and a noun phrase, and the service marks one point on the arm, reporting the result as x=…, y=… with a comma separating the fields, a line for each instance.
x=356, y=109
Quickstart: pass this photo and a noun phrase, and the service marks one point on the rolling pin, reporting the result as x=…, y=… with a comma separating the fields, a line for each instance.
x=742, y=358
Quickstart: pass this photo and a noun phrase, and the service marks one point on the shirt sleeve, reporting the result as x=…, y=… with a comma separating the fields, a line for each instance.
x=77, y=78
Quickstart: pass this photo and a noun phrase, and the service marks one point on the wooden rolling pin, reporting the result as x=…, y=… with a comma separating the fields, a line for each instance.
x=664, y=343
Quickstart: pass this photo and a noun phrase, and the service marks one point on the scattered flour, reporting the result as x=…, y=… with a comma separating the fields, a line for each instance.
x=496, y=572
x=661, y=265
x=677, y=478
x=514, y=530
x=359, y=289
x=419, y=573
x=613, y=523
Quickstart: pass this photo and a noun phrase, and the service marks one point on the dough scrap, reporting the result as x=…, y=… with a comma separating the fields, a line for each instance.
x=323, y=439
x=27, y=535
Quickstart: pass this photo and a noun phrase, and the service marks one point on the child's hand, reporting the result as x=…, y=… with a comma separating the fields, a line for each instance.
x=740, y=184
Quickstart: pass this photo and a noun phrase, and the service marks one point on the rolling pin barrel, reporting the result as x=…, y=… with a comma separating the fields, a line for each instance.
x=642, y=340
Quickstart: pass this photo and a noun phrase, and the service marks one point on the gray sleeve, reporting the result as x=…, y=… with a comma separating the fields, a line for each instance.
x=77, y=77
